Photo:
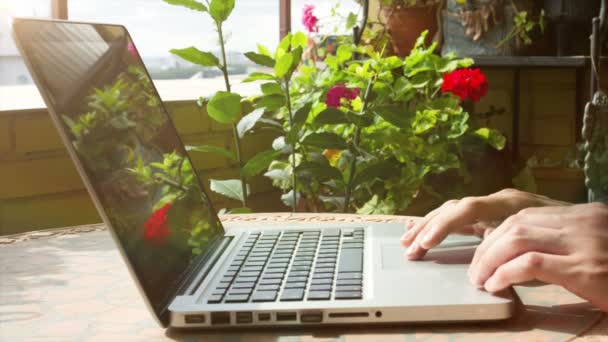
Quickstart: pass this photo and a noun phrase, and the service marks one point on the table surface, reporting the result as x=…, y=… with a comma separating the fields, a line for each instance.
x=70, y=284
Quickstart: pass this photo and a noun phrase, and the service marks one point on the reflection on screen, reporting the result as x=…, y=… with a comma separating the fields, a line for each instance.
x=132, y=155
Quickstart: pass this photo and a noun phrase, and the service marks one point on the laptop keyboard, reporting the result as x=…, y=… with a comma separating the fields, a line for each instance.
x=293, y=266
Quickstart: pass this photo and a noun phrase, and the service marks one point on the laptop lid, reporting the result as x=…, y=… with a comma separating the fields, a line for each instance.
x=125, y=147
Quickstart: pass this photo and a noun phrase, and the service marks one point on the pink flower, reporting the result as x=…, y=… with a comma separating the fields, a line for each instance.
x=339, y=92
x=132, y=50
x=309, y=20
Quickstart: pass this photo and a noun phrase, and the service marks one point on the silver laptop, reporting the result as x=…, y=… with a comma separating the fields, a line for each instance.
x=190, y=271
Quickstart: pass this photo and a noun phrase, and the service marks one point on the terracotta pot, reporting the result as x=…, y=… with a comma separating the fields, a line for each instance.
x=406, y=23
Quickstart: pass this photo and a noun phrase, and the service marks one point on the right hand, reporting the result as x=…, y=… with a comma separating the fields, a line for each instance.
x=468, y=216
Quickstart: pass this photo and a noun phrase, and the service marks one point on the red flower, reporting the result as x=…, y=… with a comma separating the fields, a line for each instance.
x=466, y=84
x=309, y=20
x=339, y=92
x=156, y=228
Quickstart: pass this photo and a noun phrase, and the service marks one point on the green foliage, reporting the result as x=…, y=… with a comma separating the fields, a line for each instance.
x=194, y=55
x=230, y=188
x=191, y=4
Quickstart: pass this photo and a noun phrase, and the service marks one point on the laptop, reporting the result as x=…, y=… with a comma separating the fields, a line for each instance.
x=192, y=272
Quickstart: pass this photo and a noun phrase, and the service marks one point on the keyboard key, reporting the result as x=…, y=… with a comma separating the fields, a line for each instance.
x=250, y=274
x=264, y=296
x=273, y=275
x=301, y=268
x=296, y=285
x=297, y=279
x=243, y=285
x=348, y=288
x=239, y=291
x=298, y=273
x=292, y=295
x=240, y=279
x=271, y=281
x=322, y=281
x=226, y=280
x=222, y=286
x=349, y=295
x=331, y=232
x=254, y=264
x=331, y=265
x=351, y=260
x=214, y=299
x=318, y=295
x=324, y=270
x=349, y=282
x=323, y=276
x=242, y=298
x=271, y=270
x=350, y=275
x=323, y=287
x=251, y=268
x=268, y=288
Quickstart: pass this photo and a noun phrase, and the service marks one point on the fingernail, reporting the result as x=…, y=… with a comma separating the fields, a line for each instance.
x=409, y=225
x=407, y=235
x=412, y=249
x=490, y=285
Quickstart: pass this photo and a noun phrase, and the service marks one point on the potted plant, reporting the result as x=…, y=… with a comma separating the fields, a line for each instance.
x=407, y=19
x=489, y=27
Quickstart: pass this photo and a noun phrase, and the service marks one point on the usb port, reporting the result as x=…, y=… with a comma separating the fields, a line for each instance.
x=286, y=316
x=220, y=318
x=311, y=317
x=264, y=317
x=244, y=317
x=195, y=319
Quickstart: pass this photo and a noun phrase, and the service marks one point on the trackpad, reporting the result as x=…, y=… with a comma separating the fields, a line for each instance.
x=448, y=253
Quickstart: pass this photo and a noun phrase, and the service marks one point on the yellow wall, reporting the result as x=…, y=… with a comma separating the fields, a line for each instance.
x=40, y=188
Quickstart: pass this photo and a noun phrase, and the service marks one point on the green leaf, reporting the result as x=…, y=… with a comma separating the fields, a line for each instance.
x=376, y=207
x=271, y=88
x=212, y=149
x=258, y=76
x=191, y=4
x=319, y=171
x=283, y=46
x=325, y=140
x=220, y=9
x=248, y=121
x=344, y=53
x=196, y=56
x=379, y=171
x=283, y=65
x=231, y=188
x=351, y=21
x=493, y=137
x=280, y=144
x=360, y=120
x=301, y=115
x=260, y=59
x=331, y=116
x=271, y=102
x=224, y=107
x=264, y=50
x=259, y=162
x=395, y=115
x=299, y=39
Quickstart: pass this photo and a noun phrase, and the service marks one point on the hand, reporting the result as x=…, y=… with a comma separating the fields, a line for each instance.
x=471, y=215
x=567, y=246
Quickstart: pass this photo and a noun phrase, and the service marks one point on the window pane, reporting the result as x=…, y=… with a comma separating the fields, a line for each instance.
x=12, y=69
x=157, y=27
x=329, y=23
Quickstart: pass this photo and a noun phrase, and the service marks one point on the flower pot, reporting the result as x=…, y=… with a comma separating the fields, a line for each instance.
x=406, y=23
x=570, y=24
x=487, y=38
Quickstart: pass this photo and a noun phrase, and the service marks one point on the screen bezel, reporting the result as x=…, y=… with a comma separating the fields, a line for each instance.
x=160, y=310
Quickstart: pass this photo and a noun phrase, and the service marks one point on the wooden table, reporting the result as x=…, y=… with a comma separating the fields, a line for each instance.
x=70, y=284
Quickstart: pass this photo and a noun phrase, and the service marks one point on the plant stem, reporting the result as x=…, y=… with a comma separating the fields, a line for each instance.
x=356, y=141
x=235, y=133
x=293, y=149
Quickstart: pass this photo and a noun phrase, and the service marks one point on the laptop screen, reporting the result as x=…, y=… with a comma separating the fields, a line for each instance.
x=94, y=80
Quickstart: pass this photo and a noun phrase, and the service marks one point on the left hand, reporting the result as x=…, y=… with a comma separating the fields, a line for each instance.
x=565, y=245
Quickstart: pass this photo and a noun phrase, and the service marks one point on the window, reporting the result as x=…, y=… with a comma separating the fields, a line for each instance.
x=12, y=69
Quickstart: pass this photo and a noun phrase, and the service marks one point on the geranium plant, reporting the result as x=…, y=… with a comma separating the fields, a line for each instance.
x=379, y=126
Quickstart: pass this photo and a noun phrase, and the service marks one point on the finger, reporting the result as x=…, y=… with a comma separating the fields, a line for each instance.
x=407, y=228
x=517, y=241
x=549, y=268
x=488, y=241
x=464, y=213
x=412, y=233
